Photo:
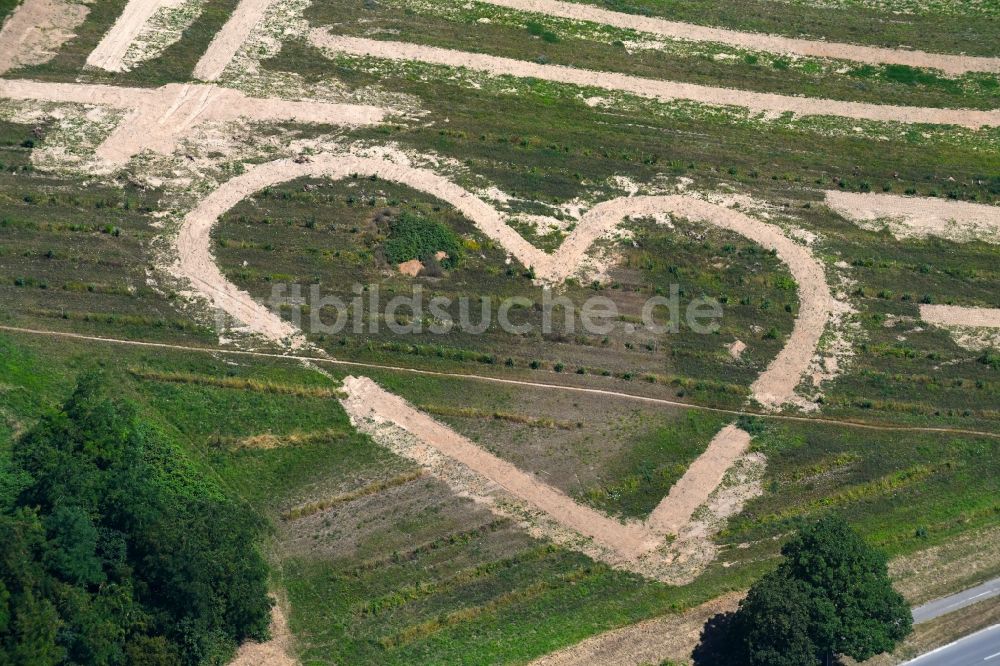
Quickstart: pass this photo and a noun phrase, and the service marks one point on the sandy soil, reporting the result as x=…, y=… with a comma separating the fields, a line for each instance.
x=544, y=511
x=160, y=117
x=650, y=642
x=110, y=51
x=701, y=478
x=366, y=400
x=275, y=652
x=756, y=102
x=36, y=29
x=411, y=268
x=227, y=42
x=919, y=216
x=775, y=387
x=957, y=315
x=950, y=64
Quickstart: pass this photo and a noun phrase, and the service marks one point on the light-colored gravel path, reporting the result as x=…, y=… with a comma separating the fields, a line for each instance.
x=227, y=42
x=949, y=64
x=957, y=315
x=160, y=117
x=775, y=387
x=110, y=51
x=756, y=102
x=366, y=401
x=704, y=474
x=545, y=511
x=920, y=216
x=36, y=29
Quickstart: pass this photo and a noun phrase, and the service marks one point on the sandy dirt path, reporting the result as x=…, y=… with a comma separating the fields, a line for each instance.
x=920, y=216
x=110, y=51
x=775, y=387
x=756, y=102
x=701, y=478
x=275, y=652
x=546, y=512
x=161, y=117
x=957, y=315
x=36, y=29
x=367, y=401
x=227, y=42
x=949, y=64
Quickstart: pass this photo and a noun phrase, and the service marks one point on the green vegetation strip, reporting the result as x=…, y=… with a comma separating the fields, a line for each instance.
x=370, y=489
x=513, y=382
x=240, y=383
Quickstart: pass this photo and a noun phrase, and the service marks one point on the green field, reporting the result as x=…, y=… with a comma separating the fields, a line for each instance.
x=376, y=560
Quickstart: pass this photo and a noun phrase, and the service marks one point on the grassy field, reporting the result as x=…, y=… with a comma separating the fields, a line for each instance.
x=382, y=563
x=409, y=572
x=483, y=28
x=947, y=27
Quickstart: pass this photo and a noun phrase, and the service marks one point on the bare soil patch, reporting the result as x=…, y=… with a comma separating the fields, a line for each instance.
x=160, y=117
x=228, y=41
x=36, y=29
x=918, y=216
x=275, y=652
x=671, y=637
x=957, y=315
x=700, y=479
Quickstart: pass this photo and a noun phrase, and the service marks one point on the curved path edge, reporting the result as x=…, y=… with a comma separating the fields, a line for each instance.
x=775, y=386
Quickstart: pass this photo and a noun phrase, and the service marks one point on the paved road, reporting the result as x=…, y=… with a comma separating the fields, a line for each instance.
x=980, y=649
x=945, y=605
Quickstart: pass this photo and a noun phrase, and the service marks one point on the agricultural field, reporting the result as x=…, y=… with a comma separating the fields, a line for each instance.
x=514, y=331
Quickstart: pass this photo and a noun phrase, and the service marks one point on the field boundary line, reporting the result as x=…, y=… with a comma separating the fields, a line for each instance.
x=500, y=380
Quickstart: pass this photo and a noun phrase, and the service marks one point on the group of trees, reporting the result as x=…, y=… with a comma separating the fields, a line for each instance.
x=114, y=551
x=831, y=595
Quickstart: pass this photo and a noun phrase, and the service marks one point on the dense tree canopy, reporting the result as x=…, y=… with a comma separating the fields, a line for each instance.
x=830, y=595
x=114, y=551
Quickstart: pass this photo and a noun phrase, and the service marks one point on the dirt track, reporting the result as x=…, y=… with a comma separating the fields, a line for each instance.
x=160, y=117
x=701, y=478
x=275, y=652
x=366, y=400
x=108, y=54
x=920, y=216
x=227, y=42
x=949, y=64
x=956, y=315
x=36, y=29
x=756, y=102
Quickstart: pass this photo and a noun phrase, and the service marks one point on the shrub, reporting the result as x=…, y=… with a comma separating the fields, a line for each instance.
x=413, y=236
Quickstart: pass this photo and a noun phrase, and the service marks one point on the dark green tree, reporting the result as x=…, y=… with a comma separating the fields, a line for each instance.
x=831, y=595
x=115, y=550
